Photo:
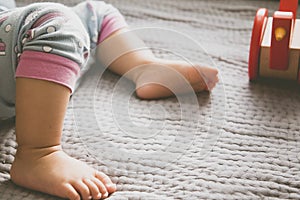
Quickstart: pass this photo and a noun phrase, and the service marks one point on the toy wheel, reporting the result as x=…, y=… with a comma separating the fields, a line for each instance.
x=259, y=25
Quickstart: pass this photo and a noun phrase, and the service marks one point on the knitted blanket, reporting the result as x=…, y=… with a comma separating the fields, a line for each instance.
x=240, y=141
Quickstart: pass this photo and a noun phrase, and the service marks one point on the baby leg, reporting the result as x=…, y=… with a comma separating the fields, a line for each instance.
x=46, y=75
x=40, y=164
x=154, y=78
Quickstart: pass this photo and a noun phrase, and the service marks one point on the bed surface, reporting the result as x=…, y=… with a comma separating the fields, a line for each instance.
x=239, y=142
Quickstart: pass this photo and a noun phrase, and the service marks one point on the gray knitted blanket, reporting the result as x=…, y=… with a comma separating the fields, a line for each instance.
x=239, y=142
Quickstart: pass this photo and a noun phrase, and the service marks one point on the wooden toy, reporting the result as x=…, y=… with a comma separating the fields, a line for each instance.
x=275, y=43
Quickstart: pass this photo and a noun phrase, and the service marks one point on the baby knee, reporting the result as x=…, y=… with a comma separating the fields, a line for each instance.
x=54, y=28
x=53, y=44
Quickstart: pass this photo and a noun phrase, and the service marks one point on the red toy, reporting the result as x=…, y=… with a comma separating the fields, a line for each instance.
x=275, y=43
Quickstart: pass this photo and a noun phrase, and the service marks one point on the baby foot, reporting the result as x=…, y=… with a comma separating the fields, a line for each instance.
x=165, y=78
x=52, y=171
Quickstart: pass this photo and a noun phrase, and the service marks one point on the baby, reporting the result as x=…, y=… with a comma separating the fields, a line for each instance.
x=43, y=51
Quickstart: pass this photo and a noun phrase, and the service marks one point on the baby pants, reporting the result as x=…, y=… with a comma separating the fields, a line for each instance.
x=49, y=41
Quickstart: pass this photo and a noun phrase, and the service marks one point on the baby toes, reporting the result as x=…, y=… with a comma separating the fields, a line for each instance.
x=83, y=189
x=211, y=73
x=210, y=76
x=71, y=193
x=211, y=85
x=101, y=187
x=110, y=186
x=94, y=189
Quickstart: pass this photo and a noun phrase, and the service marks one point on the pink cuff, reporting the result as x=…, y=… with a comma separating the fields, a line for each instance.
x=110, y=24
x=50, y=67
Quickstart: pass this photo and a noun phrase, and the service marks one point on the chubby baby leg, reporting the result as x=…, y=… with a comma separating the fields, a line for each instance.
x=164, y=78
x=51, y=54
x=40, y=164
x=126, y=54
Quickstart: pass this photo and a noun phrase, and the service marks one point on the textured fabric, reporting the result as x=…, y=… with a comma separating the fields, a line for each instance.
x=256, y=155
x=7, y=4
